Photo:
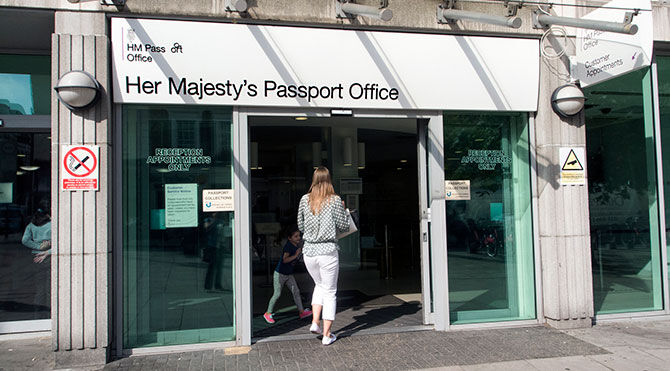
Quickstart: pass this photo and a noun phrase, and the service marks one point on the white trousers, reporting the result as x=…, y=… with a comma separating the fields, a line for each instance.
x=324, y=270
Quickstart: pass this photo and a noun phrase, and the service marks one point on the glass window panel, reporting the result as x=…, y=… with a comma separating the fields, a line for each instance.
x=489, y=235
x=623, y=208
x=663, y=66
x=177, y=259
x=25, y=188
x=25, y=82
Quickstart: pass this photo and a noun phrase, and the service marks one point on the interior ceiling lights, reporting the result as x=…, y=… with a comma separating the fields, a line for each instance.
x=447, y=14
x=347, y=8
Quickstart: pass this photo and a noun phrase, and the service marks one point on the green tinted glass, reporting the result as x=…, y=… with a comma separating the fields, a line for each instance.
x=177, y=257
x=25, y=82
x=623, y=208
x=489, y=227
x=663, y=65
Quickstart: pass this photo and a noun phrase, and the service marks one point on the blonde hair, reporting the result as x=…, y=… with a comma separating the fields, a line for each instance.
x=321, y=189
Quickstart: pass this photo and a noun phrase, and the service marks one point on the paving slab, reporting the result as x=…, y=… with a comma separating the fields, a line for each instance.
x=663, y=354
x=501, y=366
x=393, y=351
x=617, y=346
x=629, y=358
x=33, y=353
x=578, y=363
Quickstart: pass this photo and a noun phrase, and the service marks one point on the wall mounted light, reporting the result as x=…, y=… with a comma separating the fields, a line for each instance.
x=344, y=8
x=361, y=155
x=78, y=90
x=567, y=100
x=347, y=152
x=543, y=20
x=236, y=5
x=316, y=154
x=446, y=14
x=253, y=156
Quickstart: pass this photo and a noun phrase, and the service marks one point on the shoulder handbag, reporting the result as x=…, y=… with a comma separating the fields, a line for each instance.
x=352, y=226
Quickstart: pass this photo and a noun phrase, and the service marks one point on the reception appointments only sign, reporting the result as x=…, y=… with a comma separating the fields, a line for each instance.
x=183, y=62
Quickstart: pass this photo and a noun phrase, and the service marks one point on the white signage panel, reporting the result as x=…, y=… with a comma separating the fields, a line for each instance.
x=218, y=200
x=573, y=165
x=603, y=55
x=457, y=190
x=80, y=168
x=165, y=61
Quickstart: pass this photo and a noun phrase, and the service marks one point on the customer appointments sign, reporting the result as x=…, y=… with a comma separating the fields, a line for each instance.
x=80, y=168
x=184, y=62
x=603, y=55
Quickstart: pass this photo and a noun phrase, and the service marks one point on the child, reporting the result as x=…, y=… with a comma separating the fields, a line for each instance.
x=284, y=275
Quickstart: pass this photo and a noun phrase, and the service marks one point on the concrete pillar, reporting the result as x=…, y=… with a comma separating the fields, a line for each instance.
x=81, y=263
x=563, y=211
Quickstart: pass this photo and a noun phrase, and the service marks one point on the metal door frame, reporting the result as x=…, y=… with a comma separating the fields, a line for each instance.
x=35, y=124
x=433, y=143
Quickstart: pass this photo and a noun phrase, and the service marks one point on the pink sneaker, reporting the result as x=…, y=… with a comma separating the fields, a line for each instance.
x=305, y=313
x=268, y=318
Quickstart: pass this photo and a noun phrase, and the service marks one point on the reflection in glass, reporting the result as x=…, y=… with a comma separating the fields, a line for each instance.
x=663, y=66
x=25, y=264
x=489, y=235
x=25, y=82
x=623, y=209
x=177, y=257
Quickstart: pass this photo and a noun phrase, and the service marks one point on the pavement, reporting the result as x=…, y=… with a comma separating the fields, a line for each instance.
x=629, y=345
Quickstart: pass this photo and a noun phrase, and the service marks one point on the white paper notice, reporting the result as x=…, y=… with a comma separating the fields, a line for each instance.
x=457, y=190
x=181, y=205
x=218, y=200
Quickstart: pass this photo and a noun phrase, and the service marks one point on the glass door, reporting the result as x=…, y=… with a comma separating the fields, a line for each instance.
x=178, y=218
x=489, y=220
x=25, y=231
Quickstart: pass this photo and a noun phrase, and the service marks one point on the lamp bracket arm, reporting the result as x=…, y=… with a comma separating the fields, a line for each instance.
x=513, y=7
x=447, y=4
x=628, y=17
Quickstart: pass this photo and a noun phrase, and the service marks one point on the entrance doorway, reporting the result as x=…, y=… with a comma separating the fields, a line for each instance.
x=373, y=163
x=25, y=230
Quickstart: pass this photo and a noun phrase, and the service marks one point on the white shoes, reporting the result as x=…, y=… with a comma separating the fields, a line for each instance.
x=315, y=329
x=328, y=340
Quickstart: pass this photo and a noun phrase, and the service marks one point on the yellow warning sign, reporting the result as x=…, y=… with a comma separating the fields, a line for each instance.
x=572, y=162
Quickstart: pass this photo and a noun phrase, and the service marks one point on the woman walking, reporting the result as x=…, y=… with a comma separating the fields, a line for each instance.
x=321, y=215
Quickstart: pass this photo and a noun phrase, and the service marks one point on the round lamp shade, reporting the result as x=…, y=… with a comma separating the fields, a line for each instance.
x=77, y=90
x=567, y=100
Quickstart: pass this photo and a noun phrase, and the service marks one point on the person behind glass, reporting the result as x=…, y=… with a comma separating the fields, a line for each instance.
x=321, y=215
x=217, y=250
x=37, y=235
x=284, y=275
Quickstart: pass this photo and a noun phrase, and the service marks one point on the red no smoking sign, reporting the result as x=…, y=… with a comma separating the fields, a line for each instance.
x=79, y=168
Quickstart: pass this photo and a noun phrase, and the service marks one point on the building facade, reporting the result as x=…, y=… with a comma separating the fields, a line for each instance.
x=171, y=196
